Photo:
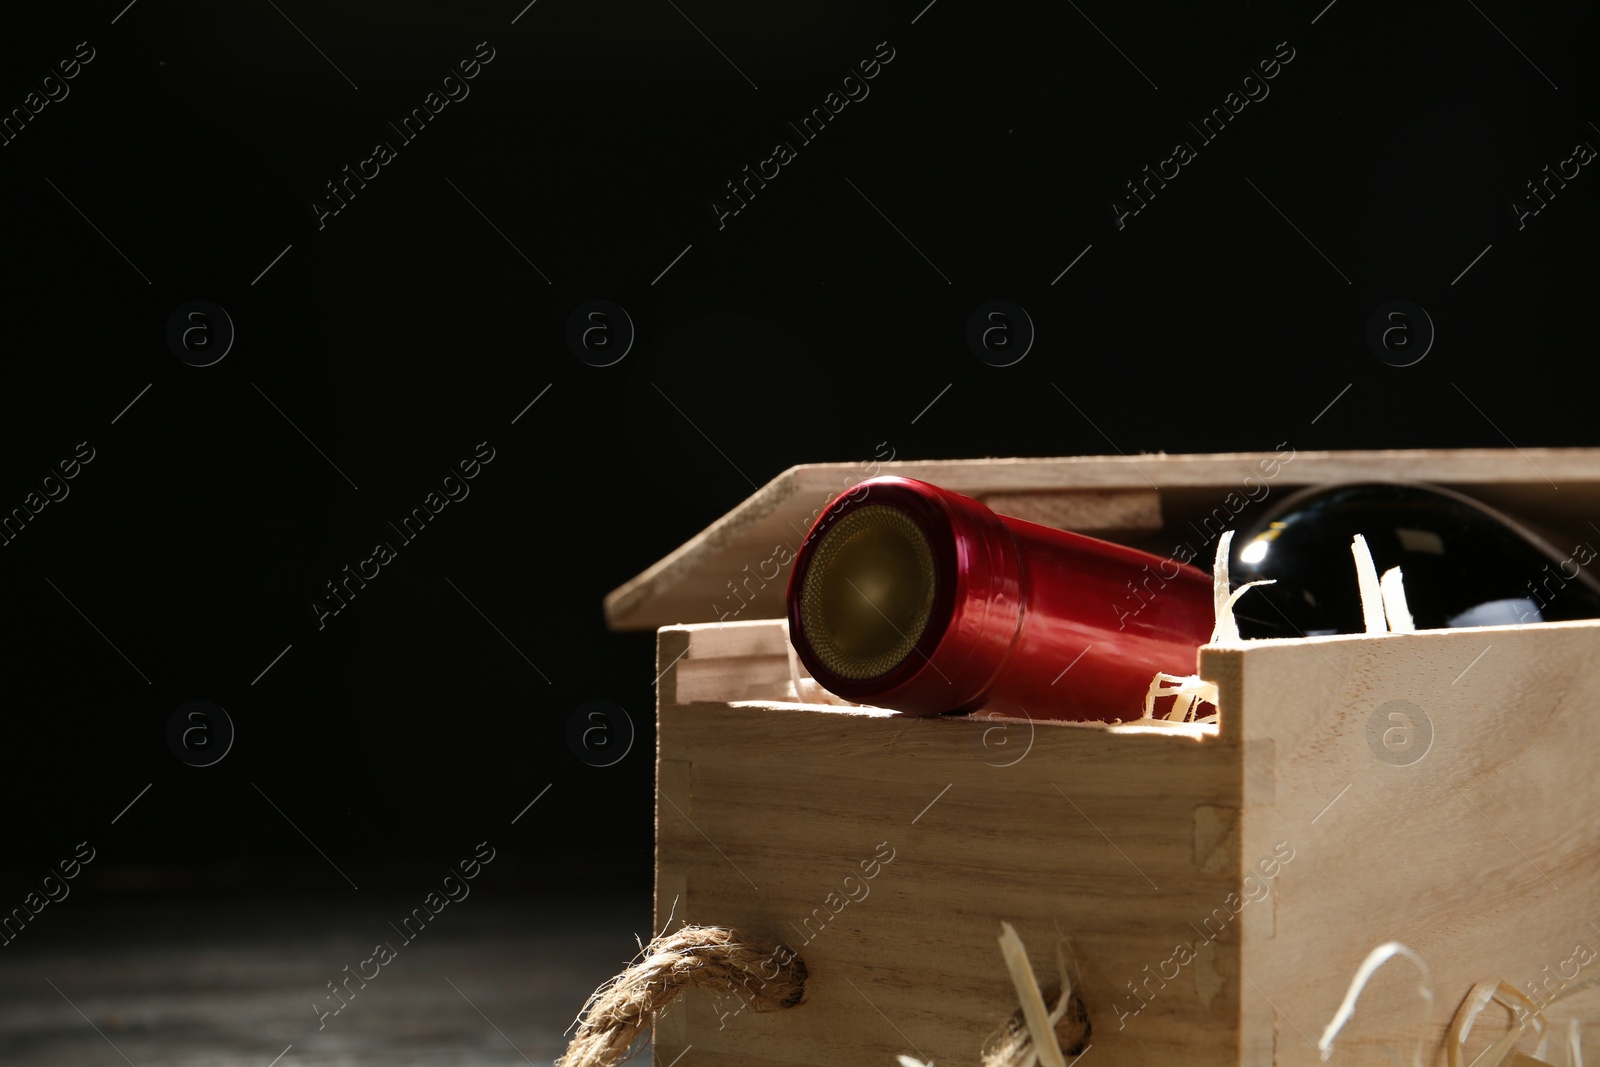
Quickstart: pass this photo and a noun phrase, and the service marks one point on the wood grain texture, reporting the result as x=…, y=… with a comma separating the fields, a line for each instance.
x=1097, y=511
x=737, y=567
x=1484, y=855
x=781, y=803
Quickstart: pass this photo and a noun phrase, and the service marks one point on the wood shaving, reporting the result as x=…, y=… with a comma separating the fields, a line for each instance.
x=1371, y=590
x=1040, y=1026
x=1369, y=966
x=1189, y=691
x=1395, y=607
x=1526, y=1016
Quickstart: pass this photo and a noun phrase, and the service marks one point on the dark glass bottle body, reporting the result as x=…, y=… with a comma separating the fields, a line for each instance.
x=1463, y=563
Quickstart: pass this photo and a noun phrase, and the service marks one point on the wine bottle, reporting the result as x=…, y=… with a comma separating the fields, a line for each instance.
x=1463, y=563
x=912, y=597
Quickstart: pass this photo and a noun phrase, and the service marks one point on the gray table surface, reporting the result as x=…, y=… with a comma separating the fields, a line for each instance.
x=230, y=983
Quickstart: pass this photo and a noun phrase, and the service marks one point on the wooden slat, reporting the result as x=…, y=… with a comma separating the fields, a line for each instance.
x=782, y=801
x=1098, y=511
x=1483, y=855
x=736, y=569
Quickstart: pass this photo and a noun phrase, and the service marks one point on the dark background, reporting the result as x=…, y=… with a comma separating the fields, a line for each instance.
x=817, y=323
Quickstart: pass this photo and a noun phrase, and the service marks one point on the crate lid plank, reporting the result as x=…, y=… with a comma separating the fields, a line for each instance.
x=736, y=568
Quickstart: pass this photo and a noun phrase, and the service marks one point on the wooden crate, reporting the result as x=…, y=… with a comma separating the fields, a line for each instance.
x=1483, y=855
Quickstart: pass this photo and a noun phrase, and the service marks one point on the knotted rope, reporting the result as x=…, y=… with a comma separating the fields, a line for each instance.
x=767, y=976
x=714, y=958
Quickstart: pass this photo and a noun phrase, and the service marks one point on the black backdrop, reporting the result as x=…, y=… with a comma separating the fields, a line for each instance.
x=377, y=349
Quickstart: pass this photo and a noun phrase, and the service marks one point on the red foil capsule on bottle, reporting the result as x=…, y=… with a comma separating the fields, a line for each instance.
x=914, y=598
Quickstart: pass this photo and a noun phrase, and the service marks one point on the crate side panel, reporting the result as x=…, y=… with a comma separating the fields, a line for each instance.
x=1436, y=789
x=888, y=851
